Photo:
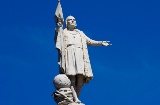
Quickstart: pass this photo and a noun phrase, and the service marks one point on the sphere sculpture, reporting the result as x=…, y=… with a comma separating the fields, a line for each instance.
x=61, y=81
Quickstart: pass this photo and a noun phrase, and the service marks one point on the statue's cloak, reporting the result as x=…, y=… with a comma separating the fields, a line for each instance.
x=61, y=45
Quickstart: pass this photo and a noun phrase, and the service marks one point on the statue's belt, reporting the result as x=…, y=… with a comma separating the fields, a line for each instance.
x=74, y=45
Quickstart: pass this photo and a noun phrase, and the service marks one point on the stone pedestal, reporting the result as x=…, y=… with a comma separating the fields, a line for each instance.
x=65, y=94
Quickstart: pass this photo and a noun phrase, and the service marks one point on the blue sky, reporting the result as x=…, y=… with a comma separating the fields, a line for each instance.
x=126, y=73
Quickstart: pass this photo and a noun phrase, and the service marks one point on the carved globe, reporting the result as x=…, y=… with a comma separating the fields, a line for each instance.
x=61, y=81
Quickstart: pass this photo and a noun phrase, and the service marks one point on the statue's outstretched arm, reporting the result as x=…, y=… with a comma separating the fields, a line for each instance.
x=96, y=43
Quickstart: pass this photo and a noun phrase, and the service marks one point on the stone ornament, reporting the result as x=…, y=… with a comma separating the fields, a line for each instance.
x=65, y=93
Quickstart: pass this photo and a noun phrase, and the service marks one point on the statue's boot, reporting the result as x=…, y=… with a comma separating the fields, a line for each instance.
x=73, y=81
x=79, y=84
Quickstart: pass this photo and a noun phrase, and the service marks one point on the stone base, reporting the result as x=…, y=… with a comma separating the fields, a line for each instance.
x=76, y=104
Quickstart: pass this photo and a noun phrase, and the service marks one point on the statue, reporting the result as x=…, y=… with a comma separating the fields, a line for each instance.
x=71, y=44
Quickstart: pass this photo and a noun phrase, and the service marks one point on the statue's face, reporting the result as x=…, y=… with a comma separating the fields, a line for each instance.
x=71, y=21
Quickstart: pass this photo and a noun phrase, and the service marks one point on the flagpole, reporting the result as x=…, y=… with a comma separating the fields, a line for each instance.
x=59, y=20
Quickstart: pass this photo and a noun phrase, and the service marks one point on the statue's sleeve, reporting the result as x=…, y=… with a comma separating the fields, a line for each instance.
x=57, y=38
x=92, y=42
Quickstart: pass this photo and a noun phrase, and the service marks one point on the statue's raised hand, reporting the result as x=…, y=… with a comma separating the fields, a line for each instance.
x=106, y=43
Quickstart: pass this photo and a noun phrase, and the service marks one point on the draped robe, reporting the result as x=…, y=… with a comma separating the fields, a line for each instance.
x=73, y=56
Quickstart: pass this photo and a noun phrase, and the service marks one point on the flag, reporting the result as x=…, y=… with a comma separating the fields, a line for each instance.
x=59, y=14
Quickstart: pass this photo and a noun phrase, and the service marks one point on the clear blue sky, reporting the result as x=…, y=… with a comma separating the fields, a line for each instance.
x=127, y=73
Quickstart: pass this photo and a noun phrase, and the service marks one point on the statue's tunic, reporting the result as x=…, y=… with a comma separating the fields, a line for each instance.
x=75, y=61
x=74, y=52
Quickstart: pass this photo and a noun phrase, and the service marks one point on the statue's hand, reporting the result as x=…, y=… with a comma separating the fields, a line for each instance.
x=59, y=21
x=59, y=24
x=106, y=43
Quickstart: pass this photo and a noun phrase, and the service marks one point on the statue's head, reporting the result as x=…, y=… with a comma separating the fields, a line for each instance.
x=71, y=22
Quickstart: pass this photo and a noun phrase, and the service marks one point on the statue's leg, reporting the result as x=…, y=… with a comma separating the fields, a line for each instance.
x=73, y=81
x=79, y=83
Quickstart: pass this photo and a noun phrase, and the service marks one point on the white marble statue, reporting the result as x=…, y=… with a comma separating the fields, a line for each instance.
x=71, y=44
